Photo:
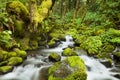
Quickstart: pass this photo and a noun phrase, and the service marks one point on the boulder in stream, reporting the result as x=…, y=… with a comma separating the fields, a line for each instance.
x=54, y=57
x=72, y=68
x=5, y=69
x=14, y=61
x=69, y=52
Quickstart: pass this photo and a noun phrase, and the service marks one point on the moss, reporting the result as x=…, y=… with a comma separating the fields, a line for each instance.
x=20, y=53
x=3, y=63
x=5, y=69
x=54, y=57
x=51, y=43
x=3, y=55
x=19, y=27
x=12, y=54
x=14, y=61
x=57, y=34
x=24, y=43
x=33, y=44
x=72, y=68
x=80, y=39
x=104, y=52
x=92, y=45
x=69, y=52
x=117, y=54
x=17, y=8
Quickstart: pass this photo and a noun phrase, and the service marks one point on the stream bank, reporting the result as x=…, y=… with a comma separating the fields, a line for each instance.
x=35, y=67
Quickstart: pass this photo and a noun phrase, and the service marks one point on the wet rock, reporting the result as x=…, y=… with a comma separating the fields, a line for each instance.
x=12, y=54
x=3, y=55
x=69, y=52
x=5, y=69
x=15, y=61
x=107, y=63
x=52, y=44
x=20, y=53
x=117, y=76
x=72, y=68
x=3, y=63
x=54, y=57
x=116, y=56
x=44, y=73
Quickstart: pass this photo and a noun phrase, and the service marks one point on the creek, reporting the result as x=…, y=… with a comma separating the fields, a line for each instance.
x=35, y=66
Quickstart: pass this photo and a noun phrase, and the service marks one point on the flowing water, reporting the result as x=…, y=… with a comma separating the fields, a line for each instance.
x=34, y=67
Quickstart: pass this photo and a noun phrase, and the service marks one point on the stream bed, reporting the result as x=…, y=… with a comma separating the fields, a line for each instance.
x=35, y=66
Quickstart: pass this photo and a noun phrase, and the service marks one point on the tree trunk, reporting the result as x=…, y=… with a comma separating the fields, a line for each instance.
x=76, y=9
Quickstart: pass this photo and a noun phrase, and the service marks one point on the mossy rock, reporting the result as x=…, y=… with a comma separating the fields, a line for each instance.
x=69, y=52
x=33, y=44
x=72, y=68
x=14, y=61
x=51, y=43
x=3, y=55
x=24, y=43
x=57, y=35
x=20, y=53
x=54, y=57
x=5, y=69
x=12, y=54
x=116, y=56
x=80, y=39
x=3, y=63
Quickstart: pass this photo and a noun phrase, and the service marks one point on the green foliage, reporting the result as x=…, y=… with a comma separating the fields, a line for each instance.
x=111, y=35
x=92, y=44
x=6, y=39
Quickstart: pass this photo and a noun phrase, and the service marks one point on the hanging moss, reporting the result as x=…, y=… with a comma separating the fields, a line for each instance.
x=17, y=8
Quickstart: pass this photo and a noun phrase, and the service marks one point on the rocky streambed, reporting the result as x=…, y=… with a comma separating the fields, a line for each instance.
x=35, y=67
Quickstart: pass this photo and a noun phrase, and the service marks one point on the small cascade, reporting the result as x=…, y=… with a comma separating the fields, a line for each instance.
x=32, y=66
x=69, y=42
x=96, y=70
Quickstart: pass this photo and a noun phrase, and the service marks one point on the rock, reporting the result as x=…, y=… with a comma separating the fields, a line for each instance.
x=72, y=68
x=5, y=69
x=116, y=56
x=44, y=74
x=12, y=54
x=107, y=63
x=69, y=52
x=3, y=55
x=3, y=63
x=54, y=57
x=20, y=53
x=14, y=61
x=117, y=76
x=52, y=44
